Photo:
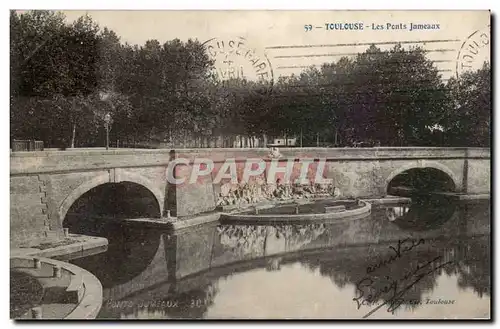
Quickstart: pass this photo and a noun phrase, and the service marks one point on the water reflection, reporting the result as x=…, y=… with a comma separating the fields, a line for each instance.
x=254, y=240
x=412, y=275
x=394, y=213
x=311, y=271
x=425, y=213
x=297, y=287
x=129, y=254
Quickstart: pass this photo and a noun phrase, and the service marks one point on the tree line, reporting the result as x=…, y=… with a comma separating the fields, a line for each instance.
x=66, y=76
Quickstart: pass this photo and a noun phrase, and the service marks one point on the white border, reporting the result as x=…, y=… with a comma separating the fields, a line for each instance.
x=251, y=4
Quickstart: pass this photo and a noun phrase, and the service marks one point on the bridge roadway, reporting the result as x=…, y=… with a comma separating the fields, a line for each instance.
x=45, y=185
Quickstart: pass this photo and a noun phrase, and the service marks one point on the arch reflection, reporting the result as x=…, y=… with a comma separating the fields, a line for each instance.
x=424, y=213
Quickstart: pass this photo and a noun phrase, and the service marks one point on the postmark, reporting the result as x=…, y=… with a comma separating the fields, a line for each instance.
x=475, y=50
x=236, y=59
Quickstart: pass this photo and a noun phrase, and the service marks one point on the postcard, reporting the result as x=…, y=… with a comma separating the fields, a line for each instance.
x=250, y=165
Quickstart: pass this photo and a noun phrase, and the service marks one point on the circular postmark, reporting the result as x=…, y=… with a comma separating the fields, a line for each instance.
x=474, y=51
x=235, y=59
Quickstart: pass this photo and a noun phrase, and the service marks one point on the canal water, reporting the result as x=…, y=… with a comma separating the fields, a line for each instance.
x=423, y=261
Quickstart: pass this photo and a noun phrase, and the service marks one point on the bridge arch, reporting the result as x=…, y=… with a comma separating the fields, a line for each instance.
x=126, y=176
x=423, y=164
x=102, y=179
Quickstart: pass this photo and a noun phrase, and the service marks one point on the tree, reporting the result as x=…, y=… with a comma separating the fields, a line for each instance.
x=167, y=86
x=110, y=60
x=52, y=64
x=467, y=120
x=35, y=45
x=396, y=95
x=392, y=97
x=68, y=67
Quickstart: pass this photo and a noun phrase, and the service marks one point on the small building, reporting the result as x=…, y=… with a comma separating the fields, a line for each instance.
x=282, y=142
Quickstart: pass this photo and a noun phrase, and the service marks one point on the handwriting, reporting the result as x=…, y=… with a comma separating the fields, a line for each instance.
x=392, y=288
x=396, y=302
x=402, y=247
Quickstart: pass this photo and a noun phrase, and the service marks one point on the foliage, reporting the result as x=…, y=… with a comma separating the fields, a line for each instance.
x=467, y=119
x=66, y=76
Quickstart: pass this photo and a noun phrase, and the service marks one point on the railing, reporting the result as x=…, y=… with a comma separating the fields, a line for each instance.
x=138, y=145
x=26, y=145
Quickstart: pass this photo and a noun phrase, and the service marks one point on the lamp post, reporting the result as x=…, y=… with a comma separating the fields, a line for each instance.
x=107, y=123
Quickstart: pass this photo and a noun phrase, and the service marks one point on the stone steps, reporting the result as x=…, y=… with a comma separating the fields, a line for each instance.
x=62, y=289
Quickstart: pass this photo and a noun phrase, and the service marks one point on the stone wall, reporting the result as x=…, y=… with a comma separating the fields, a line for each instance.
x=28, y=209
x=478, y=176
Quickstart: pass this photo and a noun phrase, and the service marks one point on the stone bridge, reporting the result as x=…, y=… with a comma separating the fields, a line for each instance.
x=46, y=186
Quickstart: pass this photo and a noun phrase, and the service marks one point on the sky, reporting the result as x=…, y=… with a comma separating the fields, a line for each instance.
x=281, y=36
